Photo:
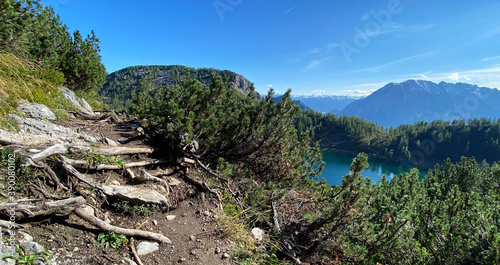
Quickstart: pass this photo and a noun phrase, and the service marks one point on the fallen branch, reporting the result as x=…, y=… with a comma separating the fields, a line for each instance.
x=85, y=213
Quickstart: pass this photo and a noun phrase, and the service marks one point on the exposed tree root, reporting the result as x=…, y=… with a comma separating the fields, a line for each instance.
x=111, y=151
x=204, y=186
x=60, y=207
x=86, y=165
x=84, y=213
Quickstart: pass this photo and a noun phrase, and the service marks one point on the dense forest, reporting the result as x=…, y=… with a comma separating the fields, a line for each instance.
x=421, y=145
x=119, y=85
x=36, y=33
x=448, y=218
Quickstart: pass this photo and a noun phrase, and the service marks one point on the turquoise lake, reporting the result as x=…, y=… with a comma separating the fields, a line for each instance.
x=338, y=165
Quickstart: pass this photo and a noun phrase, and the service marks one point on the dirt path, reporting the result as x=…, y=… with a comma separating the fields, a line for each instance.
x=189, y=221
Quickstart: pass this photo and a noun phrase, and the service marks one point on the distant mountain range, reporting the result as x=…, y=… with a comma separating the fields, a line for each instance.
x=326, y=104
x=418, y=100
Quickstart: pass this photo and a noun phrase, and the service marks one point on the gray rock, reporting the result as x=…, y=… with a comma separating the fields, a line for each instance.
x=2, y=262
x=26, y=237
x=147, y=247
x=225, y=255
x=134, y=194
x=86, y=106
x=258, y=233
x=75, y=101
x=36, y=111
x=32, y=247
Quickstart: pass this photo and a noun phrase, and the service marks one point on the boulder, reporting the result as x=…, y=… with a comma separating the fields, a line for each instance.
x=36, y=111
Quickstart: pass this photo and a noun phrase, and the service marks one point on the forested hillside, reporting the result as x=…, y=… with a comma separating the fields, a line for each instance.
x=419, y=145
x=119, y=85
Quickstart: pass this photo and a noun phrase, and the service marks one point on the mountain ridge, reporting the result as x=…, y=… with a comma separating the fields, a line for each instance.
x=119, y=85
x=411, y=101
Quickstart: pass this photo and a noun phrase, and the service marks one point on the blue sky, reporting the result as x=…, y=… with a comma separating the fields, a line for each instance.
x=312, y=47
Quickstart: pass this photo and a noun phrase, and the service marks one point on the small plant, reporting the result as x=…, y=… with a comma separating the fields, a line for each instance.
x=31, y=259
x=145, y=209
x=111, y=239
x=96, y=159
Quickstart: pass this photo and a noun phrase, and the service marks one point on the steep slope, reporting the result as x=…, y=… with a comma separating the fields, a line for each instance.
x=117, y=89
x=418, y=100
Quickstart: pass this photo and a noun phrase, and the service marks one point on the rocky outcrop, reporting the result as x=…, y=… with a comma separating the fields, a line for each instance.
x=36, y=111
x=80, y=103
x=36, y=132
x=242, y=84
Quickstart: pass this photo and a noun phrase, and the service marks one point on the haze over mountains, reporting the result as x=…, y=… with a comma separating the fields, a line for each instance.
x=418, y=100
x=411, y=101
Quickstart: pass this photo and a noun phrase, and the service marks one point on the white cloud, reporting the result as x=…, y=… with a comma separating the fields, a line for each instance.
x=313, y=64
x=424, y=76
x=357, y=93
x=491, y=58
x=316, y=93
x=492, y=32
x=457, y=76
x=454, y=76
x=270, y=86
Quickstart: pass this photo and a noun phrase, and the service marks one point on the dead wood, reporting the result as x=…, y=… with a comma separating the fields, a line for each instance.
x=10, y=225
x=52, y=150
x=85, y=211
x=60, y=207
x=41, y=188
x=86, y=165
x=53, y=176
x=129, y=193
x=285, y=241
x=132, y=247
x=111, y=151
x=70, y=169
